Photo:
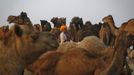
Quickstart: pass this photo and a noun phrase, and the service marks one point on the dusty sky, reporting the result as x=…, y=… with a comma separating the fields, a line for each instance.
x=93, y=10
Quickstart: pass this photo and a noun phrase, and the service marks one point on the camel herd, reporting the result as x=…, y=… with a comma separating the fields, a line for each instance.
x=91, y=49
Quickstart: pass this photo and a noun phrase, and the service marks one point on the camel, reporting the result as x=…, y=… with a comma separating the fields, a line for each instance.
x=45, y=25
x=72, y=31
x=78, y=22
x=126, y=26
x=22, y=48
x=91, y=30
x=79, y=61
x=78, y=30
x=37, y=28
x=88, y=23
x=89, y=43
x=114, y=30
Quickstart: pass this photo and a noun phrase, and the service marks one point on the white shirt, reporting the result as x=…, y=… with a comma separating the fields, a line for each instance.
x=63, y=37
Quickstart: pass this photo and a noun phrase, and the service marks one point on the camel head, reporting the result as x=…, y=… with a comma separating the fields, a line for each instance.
x=88, y=23
x=30, y=46
x=43, y=22
x=108, y=19
x=34, y=44
x=128, y=27
x=37, y=27
x=20, y=19
x=45, y=25
x=78, y=22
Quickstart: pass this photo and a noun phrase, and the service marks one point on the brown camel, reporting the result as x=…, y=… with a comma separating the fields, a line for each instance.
x=114, y=30
x=79, y=61
x=37, y=27
x=20, y=45
x=78, y=22
x=22, y=48
x=73, y=31
x=92, y=30
x=45, y=25
x=78, y=30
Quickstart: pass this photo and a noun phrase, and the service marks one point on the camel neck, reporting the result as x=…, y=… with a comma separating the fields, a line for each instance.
x=114, y=29
x=118, y=59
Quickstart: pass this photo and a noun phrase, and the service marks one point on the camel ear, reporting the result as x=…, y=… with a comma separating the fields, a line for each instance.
x=18, y=31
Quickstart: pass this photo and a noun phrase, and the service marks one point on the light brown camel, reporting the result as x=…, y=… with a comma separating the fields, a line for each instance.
x=90, y=43
x=79, y=61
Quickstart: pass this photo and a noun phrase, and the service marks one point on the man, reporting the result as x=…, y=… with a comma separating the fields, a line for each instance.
x=63, y=37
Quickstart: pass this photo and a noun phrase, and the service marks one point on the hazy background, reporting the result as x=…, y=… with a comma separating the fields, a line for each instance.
x=93, y=10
